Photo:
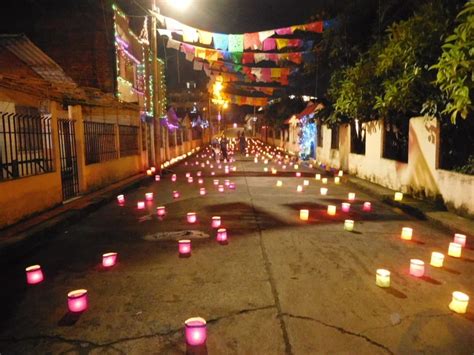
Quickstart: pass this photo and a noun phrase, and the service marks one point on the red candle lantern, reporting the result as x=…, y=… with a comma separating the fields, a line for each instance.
x=188, y=175
x=184, y=247
x=417, y=267
x=141, y=205
x=77, y=300
x=191, y=217
x=175, y=194
x=216, y=222
x=367, y=207
x=298, y=174
x=161, y=211
x=222, y=235
x=121, y=199
x=109, y=259
x=195, y=331
x=34, y=275
x=149, y=196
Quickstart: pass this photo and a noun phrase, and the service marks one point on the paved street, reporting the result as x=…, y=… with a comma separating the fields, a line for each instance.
x=279, y=286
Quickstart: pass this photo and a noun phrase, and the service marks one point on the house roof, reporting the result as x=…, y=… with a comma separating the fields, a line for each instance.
x=36, y=59
x=309, y=110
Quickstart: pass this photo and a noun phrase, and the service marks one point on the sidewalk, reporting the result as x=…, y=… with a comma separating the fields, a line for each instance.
x=20, y=238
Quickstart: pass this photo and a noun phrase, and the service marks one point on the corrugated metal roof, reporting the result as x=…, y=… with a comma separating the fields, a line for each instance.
x=35, y=58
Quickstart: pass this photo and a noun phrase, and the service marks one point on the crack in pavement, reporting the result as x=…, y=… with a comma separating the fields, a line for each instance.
x=341, y=330
x=286, y=339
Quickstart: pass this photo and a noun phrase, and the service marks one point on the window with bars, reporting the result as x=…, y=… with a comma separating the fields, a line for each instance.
x=335, y=137
x=26, y=146
x=358, y=134
x=99, y=142
x=128, y=137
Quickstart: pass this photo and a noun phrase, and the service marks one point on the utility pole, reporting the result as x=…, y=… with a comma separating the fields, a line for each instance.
x=156, y=126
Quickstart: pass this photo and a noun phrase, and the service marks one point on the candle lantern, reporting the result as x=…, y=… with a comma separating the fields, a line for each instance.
x=265, y=169
x=149, y=172
x=175, y=194
x=34, y=275
x=298, y=174
x=213, y=173
x=198, y=174
x=304, y=215
x=296, y=167
x=222, y=235
x=77, y=300
x=351, y=196
x=340, y=173
x=202, y=191
x=141, y=205
x=299, y=188
x=226, y=182
x=188, y=175
x=255, y=160
x=417, y=267
x=337, y=180
x=437, y=259
x=200, y=181
x=283, y=167
x=161, y=211
x=317, y=176
x=460, y=239
x=190, y=179
x=398, y=196
x=274, y=171
x=153, y=169
x=455, y=250
x=232, y=186
x=331, y=210
x=220, y=188
x=173, y=177
x=305, y=182
x=367, y=207
x=324, y=180
x=157, y=177
x=349, y=225
x=191, y=217
x=459, y=302
x=407, y=233
x=149, y=196
x=382, y=278
x=184, y=247
x=109, y=259
x=323, y=191
x=346, y=207
x=121, y=199
x=279, y=183
x=195, y=331
x=216, y=222
x=216, y=182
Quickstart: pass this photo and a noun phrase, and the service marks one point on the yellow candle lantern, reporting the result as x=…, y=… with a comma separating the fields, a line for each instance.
x=274, y=171
x=306, y=182
x=407, y=233
x=299, y=188
x=331, y=210
x=349, y=225
x=455, y=250
x=279, y=183
x=351, y=196
x=296, y=167
x=323, y=191
x=340, y=173
x=337, y=180
x=459, y=302
x=382, y=278
x=317, y=177
x=304, y=215
x=324, y=180
x=265, y=169
x=398, y=196
x=437, y=259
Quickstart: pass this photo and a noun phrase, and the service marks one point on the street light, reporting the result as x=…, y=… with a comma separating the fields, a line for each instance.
x=180, y=4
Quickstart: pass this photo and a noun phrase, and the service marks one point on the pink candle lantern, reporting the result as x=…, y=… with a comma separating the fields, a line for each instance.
x=211, y=166
x=351, y=196
x=417, y=267
x=157, y=177
x=232, y=186
x=141, y=205
x=298, y=174
x=121, y=199
x=149, y=196
x=188, y=175
x=226, y=170
x=219, y=166
x=195, y=331
x=109, y=259
x=191, y=217
x=200, y=181
x=460, y=239
x=184, y=247
x=34, y=275
x=216, y=222
x=222, y=235
x=173, y=177
x=215, y=182
x=283, y=167
x=190, y=179
x=367, y=207
x=202, y=191
x=346, y=207
x=77, y=300
x=161, y=211
x=220, y=188
x=175, y=194
x=202, y=165
x=213, y=173
x=226, y=182
x=198, y=174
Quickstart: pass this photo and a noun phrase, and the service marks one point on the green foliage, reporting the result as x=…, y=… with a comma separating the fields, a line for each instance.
x=279, y=111
x=455, y=75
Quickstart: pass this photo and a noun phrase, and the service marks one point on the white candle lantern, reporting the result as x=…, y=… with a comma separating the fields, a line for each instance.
x=459, y=302
x=299, y=188
x=213, y=173
x=305, y=182
x=351, y=196
x=437, y=259
x=455, y=250
x=296, y=167
x=304, y=215
x=317, y=176
x=367, y=207
x=417, y=267
x=153, y=169
x=216, y=222
x=398, y=196
x=382, y=278
x=34, y=275
x=199, y=173
x=161, y=211
x=149, y=196
x=407, y=233
x=283, y=167
x=222, y=235
x=324, y=180
x=460, y=239
x=77, y=301
x=184, y=247
x=141, y=205
x=340, y=173
x=337, y=180
x=279, y=183
x=331, y=210
x=195, y=331
x=323, y=191
x=349, y=225
x=188, y=175
x=265, y=169
x=255, y=160
x=109, y=259
x=191, y=217
x=346, y=207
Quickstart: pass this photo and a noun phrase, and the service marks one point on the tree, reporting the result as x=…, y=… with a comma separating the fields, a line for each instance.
x=455, y=66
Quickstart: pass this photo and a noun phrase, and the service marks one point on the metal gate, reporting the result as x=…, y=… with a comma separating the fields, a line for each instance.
x=67, y=144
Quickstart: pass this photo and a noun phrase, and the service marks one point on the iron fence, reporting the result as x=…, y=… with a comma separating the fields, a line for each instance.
x=100, y=142
x=26, y=146
x=128, y=136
